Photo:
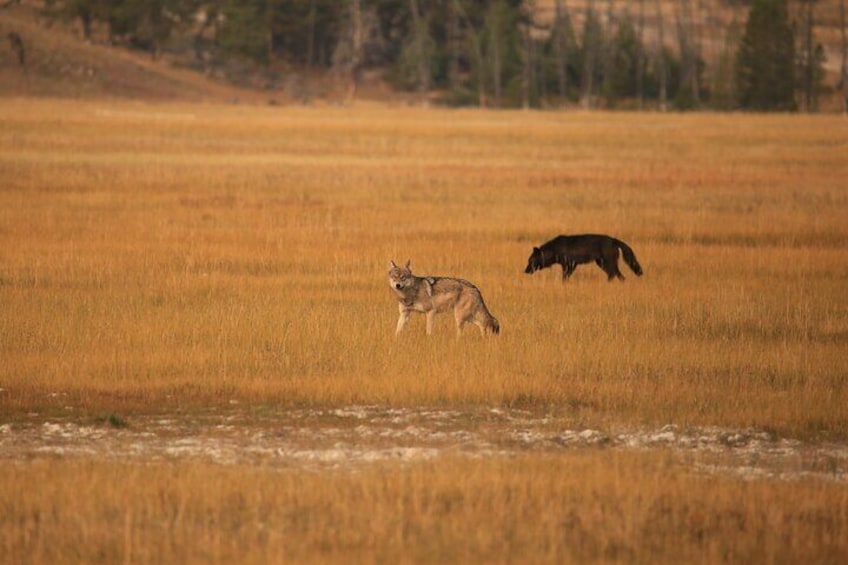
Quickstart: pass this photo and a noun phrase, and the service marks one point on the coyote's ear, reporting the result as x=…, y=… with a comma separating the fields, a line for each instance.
x=535, y=250
x=408, y=261
x=392, y=264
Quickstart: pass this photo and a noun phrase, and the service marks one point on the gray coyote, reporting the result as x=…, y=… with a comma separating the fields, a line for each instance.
x=434, y=295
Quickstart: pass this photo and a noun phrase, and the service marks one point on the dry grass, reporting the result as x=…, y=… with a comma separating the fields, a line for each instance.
x=171, y=258
x=580, y=507
x=187, y=256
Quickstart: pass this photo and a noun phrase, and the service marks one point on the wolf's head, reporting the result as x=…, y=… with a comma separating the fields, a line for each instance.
x=400, y=277
x=536, y=261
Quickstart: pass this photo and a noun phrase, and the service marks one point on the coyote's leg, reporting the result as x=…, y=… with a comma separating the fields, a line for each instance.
x=402, y=319
x=480, y=320
x=431, y=321
x=463, y=312
x=459, y=323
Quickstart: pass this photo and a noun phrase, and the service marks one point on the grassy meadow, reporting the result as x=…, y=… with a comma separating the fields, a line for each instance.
x=188, y=256
x=172, y=258
x=574, y=508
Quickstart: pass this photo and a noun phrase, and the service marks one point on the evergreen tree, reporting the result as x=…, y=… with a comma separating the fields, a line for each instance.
x=149, y=24
x=811, y=59
x=305, y=32
x=724, y=91
x=765, y=61
x=415, y=64
x=621, y=80
x=591, y=52
x=501, y=48
x=88, y=11
x=246, y=30
x=564, y=47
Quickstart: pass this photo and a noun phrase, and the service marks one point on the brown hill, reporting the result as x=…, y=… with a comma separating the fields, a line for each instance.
x=59, y=63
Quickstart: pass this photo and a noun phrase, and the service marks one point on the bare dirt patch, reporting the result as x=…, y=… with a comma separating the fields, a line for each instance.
x=350, y=437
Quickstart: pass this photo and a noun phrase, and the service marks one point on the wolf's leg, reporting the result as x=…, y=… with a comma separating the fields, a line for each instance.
x=612, y=272
x=431, y=321
x=402, y=319
x=610, y=267
x=567, y=268
x=609, y=263
x=600, y=262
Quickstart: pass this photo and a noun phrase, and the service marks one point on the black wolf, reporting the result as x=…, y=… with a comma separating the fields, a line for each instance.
x=572, y=250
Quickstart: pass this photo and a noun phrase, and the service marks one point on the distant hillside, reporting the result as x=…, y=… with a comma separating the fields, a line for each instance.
x=60, y=63
x=712, y=18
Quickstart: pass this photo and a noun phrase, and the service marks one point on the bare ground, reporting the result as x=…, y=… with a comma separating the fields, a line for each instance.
x=351, y=437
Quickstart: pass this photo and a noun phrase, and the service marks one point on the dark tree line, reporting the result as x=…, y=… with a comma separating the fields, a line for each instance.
x=494, y=53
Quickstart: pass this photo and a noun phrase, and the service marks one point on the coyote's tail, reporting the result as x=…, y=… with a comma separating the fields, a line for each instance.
x=493, y=325
x=629, y=257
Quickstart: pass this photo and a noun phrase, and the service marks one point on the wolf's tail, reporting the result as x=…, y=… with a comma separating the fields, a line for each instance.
x=629, y=257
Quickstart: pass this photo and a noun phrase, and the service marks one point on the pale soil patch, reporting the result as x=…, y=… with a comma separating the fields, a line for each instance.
x=349, y=437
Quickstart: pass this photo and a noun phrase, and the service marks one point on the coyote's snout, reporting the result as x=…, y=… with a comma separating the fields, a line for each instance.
x=434, y=295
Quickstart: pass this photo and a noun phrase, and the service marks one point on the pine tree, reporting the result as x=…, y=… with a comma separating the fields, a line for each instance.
x=246, y=30
x=621, y=80
x=592, y=49
x=724, y=89
x=765, y=61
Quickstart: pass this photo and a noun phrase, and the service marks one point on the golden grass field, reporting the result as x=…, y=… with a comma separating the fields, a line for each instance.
x=175, y=258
